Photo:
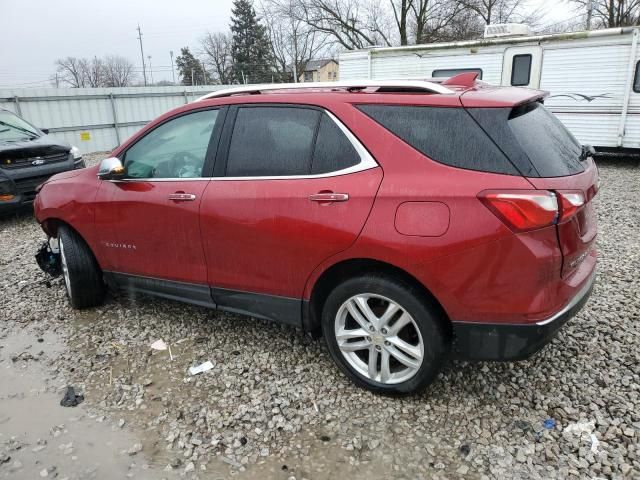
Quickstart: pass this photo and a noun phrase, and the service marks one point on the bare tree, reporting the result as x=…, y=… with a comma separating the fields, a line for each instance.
x=118, y=71
x=93, y=71
x=216, y=48
x=441, y=20
x=293, y=41
x=349, y=23
x=503, y=11
x=71, y=71
x=612, y=13
x=355, y=24
x=113, y=71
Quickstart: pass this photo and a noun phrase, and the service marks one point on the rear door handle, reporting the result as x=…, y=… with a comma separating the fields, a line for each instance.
x=329, y=197
x=182, y=197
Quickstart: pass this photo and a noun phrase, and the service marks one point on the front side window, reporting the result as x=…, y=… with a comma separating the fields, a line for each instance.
x=521, y=70
x=272, y=141
x=451, y=72
x=175, y=149
x=636, y=82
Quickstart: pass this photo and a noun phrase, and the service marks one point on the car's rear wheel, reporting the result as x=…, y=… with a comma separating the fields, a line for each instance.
x=384, y=334
x=82, y=275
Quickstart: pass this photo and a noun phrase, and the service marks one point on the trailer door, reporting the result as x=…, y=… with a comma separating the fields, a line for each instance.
x=522, y=66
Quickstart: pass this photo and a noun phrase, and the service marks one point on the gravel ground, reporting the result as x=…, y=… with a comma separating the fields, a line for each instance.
x=274, y=406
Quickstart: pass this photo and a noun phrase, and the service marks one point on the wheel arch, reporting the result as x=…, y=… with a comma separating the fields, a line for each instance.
x=358, y=266
x=52, y=225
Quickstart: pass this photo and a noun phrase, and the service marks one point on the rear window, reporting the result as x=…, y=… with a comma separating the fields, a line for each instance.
x=552, y=149
x=533, y=138
x=446, y=135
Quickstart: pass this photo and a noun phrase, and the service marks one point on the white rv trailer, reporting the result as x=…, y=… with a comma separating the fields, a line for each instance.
x=593, y=77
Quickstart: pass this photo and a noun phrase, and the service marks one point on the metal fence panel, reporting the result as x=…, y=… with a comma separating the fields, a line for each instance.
x=96, y=119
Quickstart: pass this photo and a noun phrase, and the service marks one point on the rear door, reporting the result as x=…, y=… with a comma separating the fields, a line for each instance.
x=294, y=187
x=522, y=66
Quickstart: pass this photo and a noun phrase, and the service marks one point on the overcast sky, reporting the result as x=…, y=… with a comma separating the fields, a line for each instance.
x=34, y=33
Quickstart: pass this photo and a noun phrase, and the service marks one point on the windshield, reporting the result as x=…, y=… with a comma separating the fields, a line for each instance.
x=14, y=128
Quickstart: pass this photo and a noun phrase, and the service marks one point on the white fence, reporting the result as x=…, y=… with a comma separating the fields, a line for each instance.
x=96, y=119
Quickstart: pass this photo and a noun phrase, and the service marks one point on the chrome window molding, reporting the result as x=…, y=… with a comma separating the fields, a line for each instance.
x=367, y=162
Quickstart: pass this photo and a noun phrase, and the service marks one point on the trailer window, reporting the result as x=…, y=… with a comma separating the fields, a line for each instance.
x=521, y=70
x=636, y=82
x=450, y=72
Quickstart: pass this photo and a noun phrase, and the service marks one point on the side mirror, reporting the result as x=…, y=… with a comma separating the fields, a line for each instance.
x=111, y=169
x=45, y=131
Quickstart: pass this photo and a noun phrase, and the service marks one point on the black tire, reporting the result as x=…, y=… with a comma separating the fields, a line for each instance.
x=427, y=319
x=83, y=280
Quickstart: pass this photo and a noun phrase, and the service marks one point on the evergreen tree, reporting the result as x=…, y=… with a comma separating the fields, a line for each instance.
x=190, y=69
x=250, y=49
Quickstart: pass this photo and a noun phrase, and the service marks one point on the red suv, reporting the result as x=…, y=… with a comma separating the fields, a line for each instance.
x=404, y=220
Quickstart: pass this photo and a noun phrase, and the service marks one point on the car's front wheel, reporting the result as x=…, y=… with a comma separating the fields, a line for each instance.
x=82, y=275
x=384, y=334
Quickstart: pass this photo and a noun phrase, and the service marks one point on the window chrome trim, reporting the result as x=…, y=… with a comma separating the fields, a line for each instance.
x=367, y=162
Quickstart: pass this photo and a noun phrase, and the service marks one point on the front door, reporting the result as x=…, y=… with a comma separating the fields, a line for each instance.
x=297, y=188
x=151, y=219
x=522, y=66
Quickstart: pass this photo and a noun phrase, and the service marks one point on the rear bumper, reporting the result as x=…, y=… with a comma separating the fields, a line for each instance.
x=503, y=342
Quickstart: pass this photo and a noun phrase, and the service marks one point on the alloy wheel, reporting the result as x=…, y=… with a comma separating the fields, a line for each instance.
x=379, y=338
x=65, y=269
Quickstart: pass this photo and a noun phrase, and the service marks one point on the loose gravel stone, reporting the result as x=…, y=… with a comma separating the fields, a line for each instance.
x=274, y=395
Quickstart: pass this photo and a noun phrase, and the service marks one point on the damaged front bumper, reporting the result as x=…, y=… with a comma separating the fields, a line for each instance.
x=48, y=257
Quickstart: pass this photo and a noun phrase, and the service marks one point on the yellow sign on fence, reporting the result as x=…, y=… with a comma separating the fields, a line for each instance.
x=85, y=136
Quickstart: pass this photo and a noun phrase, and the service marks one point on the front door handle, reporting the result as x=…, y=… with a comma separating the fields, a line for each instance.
x=182, y=197
x=329, y=197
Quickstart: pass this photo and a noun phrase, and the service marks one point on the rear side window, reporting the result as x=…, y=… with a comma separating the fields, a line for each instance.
x=636, y=82
x=333, y=150
x=450, y=72
x=521, y=70
x=272, y=141
x=446, y=135
x=551, y=148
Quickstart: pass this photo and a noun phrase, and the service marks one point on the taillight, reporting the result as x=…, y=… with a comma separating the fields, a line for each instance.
x=570, y=203
x=522, y=210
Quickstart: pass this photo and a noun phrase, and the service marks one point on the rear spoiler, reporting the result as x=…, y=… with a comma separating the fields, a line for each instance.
x=490, y=96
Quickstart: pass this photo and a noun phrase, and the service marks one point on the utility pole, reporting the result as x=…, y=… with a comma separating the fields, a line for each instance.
x=204, y=73
x=589, y=13
x=173, y=73
x=192, y=77
x=150, y=69
x=144, y=71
